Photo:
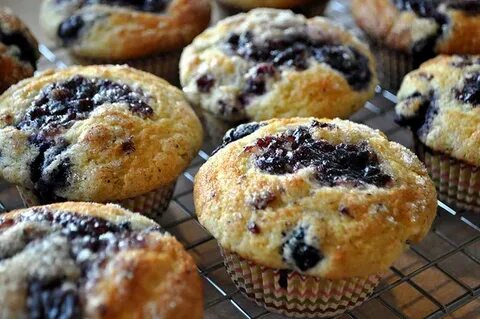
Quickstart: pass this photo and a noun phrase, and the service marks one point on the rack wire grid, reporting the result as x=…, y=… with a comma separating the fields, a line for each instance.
x=438, y=278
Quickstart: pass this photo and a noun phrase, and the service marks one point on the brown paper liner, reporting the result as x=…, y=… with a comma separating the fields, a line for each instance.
x=392, y=65
x=151, y=204
x=315, y=8
x=457, y=182
x=164, y=65
x=296, y=295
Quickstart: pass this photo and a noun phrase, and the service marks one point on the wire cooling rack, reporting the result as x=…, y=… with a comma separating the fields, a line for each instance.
x=439, y=278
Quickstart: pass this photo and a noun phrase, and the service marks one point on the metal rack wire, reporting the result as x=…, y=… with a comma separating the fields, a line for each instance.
x=438, y=278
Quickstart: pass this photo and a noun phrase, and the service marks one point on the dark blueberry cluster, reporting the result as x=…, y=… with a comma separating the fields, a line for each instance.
x=296, y=251
x=237, y=133
x=421, y=121
x=69, y=29
x=469, y=6
x=59, y=297
x=256, y=82
x=470, y=91
x=53, y=299
x=60, y=105
x=294, y=51
x=56, y=108
x=26, y=51
x=353, y=165
x=423, y=8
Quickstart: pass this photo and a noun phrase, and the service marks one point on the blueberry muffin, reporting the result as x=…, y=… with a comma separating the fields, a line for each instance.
x=310, y=8
x=272, y=63
x=97, y=133
x=18, y=50
x=147, y=34
x=81, y=260
x=323, y=206
x=440, y=102
x=408, y=32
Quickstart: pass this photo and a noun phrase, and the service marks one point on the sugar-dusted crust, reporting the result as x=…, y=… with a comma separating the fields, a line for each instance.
x=279, y=4
x=319, y=90
x=114, y=153
x=153, y=278
x=427, y=101
x=403, y=30
x=357, y=231
x=120, y=33
x=13, y=68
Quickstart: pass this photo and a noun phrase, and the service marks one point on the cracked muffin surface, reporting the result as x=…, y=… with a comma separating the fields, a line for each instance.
x=424, y=28
x=124, y=29
x=98, y=133
x=327, y=198
x=440, y=102
x=84, y=260
x=273, y=63
x=18, y=50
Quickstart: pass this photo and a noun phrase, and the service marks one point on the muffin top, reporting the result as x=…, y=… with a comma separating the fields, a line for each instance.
x=279, y=4
x=18, y=50
x=273, y=63
x=124, y=29
x=84, y=260
x=441, y=103
x=422, y=27
x=328, y=198
x=96, y=133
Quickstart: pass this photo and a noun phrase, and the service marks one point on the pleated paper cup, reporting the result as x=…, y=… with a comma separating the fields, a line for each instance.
x=457, y=182
x=151, y=204
x=392, y=65
x=296, y=295
x=164, y=65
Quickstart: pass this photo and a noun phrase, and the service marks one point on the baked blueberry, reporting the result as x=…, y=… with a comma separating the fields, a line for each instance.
x=470, y=91
x=237, y=133
x=296, y=251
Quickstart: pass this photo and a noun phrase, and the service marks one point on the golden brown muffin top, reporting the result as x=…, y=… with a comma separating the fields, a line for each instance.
x=83, y=260
x=270, y=63
x=124, y=29
x=97, y=133
x=328, y=198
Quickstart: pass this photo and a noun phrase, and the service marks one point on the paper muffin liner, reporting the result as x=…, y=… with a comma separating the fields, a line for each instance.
x=312, y=9
x=457, y=182
x=164, y=65
x=214, y=127
x=392, y=65
x=295, y=295
x=151, y=204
